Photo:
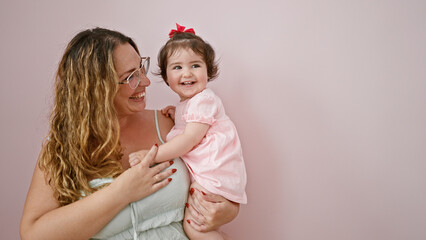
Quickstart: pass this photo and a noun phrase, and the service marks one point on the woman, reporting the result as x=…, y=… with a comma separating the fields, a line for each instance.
x=82, y=186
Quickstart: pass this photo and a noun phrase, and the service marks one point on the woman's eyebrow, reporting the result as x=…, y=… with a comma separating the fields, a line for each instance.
x=126, y=73
x=130, y=70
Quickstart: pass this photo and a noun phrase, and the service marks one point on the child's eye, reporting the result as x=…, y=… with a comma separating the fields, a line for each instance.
x=177, y=67
x=195, y=66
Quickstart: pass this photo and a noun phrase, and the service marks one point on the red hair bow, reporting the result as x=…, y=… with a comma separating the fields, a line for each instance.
x=180, y=28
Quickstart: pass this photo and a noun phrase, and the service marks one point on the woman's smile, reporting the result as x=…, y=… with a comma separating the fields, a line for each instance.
x=137, y=96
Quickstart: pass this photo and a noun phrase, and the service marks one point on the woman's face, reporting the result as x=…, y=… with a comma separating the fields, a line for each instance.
x=128, y=101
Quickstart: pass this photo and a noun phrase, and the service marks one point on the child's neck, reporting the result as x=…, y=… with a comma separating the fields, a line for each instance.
x=183, y=99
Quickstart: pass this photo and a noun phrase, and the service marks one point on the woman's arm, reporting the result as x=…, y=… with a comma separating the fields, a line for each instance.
x=209, y=211
x=43, y=218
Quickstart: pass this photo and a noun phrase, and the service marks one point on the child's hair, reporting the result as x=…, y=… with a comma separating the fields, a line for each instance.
x=184, y=40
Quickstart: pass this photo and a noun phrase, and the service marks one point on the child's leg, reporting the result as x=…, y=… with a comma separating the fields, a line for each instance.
x=194, y=234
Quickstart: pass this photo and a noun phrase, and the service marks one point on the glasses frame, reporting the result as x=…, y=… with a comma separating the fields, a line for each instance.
x=144, y=60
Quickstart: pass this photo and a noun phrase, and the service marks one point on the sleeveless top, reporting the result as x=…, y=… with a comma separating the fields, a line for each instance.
x=157, y=216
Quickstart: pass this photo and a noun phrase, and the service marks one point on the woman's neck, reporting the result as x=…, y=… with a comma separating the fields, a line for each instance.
x=126, y=121
x=137, y=131
x=136, y=124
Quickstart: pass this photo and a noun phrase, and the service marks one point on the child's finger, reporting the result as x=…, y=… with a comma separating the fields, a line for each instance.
x=134, y=158
x=142, y=156
x=133, y=163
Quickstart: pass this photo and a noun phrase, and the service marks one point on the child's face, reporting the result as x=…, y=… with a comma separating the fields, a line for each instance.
x=186, y=73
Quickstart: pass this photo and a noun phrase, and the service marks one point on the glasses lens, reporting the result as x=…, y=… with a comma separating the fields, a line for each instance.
x=145, y=65
x=134, y=79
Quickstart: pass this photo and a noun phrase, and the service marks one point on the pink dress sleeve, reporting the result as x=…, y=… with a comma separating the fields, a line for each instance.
x=201, y=108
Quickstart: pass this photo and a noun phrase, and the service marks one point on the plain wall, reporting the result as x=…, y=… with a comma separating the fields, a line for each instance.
x=328, y=97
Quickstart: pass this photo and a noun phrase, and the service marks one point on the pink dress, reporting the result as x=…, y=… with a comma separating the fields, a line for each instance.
x=216, y=163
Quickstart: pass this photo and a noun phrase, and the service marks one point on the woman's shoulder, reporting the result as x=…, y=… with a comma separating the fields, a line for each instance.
x=164, y=123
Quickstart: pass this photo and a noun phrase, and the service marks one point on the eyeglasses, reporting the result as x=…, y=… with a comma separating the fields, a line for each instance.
x=136, y=76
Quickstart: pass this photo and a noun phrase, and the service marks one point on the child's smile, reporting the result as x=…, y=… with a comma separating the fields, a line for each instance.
x=186, y=73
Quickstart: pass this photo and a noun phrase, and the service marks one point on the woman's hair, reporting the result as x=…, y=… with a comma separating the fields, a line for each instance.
x=83, y=140
x=187, y=41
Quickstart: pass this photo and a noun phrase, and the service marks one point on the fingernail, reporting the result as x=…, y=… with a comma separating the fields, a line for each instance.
x=170, y=179
x=187, y=205
x=191, y=191
x=174, y=170
x=203, y=193
x=189, y=221
x=171, y=162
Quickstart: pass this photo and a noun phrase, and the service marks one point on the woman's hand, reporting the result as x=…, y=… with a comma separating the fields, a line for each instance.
x=209, y=211
x=43, y=217
x=137, y=157
x=142, y=180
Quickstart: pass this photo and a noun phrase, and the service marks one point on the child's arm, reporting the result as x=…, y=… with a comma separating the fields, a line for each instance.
x=180, y=145
x=193, y=134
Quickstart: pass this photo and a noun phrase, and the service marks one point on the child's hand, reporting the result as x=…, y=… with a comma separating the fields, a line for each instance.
x=136, y=157
x=169, y=111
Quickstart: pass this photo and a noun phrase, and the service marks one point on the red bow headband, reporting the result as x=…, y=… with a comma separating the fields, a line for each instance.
x=180, y=28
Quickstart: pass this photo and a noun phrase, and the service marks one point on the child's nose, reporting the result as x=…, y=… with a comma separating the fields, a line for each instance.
x=187, y=72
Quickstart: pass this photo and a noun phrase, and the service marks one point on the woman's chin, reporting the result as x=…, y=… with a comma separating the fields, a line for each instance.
x=137, y=105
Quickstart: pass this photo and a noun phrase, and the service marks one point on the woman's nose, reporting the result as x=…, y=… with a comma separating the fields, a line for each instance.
x=145, y=82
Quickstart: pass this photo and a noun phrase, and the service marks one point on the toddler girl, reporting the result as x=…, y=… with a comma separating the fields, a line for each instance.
x=203, y=135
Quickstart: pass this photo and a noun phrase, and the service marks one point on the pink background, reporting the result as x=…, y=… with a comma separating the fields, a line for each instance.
x=328, y=97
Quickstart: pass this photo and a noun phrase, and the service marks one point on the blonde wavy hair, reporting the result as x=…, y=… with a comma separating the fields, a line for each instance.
x=83, y=140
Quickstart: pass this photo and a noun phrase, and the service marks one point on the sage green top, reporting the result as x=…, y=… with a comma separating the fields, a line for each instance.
x=158, y=216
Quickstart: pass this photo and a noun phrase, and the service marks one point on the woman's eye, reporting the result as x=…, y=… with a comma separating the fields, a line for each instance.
x=130, y=77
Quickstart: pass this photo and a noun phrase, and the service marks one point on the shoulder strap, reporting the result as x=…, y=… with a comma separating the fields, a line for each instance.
x=158, y=128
